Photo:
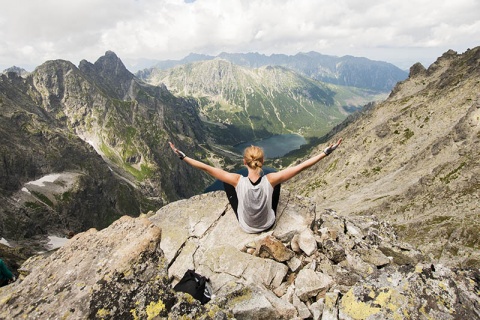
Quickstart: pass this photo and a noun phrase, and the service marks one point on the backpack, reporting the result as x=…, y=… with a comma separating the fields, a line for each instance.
x=195, y=285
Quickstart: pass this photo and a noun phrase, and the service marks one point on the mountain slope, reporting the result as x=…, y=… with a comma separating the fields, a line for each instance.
x=413, y=160
x=49, y=122
x=256, y=103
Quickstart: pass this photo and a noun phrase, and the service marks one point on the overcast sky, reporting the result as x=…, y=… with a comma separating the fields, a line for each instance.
x=401, y=32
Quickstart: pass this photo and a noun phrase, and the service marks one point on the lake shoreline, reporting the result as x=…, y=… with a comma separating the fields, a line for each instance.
x=275, y=146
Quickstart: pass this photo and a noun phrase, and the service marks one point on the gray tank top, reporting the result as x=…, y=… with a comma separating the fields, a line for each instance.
x=255, y=212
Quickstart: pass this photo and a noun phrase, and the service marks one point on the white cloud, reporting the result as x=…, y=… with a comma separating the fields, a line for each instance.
x=397, y=31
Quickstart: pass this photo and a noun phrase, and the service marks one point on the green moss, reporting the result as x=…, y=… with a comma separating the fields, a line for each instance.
x=33, y=205
x=332, y=166
x=452, y=175
x=407, y=134
x=376, y=169
x=42, y=198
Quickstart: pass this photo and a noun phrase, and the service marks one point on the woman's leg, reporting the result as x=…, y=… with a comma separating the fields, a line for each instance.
x=231, y=196
x=275, y=198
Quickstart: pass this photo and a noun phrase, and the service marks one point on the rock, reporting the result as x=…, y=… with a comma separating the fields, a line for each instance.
x=333, y=251
x=419, y=292
x=353, y=231
x=295, y=245
x=294, y=264
x=258, y=303
x=330, y=309
x=302, y=309
x=373, y=256
x=316, y=309
x=306, y=242
x=309, y=283
x=114, y=272
x=270, y=247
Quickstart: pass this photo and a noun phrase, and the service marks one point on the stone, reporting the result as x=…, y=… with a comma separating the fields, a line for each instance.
x=302, y=309
x=258, y=303
x=401, y=291
x=294, y=264
x=333, y=251
x=316, y=309
x=116, y=272
x=295, y=245
x=309, y=283
x=353, y=231
x=374, y=256
x=330, y=309
x=306, y=242
x=270, y=247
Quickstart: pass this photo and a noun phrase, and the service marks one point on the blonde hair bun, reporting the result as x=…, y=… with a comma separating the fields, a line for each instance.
x=254, y=157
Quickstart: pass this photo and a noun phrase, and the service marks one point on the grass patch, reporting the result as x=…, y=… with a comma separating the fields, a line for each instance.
x=43, y=198
x=33, y=205
x=452, y=175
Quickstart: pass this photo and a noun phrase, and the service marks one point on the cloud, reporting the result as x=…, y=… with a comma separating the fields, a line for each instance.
x=398, y=31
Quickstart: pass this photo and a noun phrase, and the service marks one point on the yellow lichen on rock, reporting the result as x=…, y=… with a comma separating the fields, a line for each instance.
x=154, y=309
x=387, y=301
x=103, y=313
x=357, y=309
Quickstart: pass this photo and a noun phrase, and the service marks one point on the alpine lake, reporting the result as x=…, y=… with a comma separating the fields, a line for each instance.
x=274, y=147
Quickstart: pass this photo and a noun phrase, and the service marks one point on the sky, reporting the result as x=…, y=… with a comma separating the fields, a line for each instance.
x=402, y=32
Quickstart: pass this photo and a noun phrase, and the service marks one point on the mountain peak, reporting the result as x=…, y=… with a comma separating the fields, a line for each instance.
x=109, y=72
x=111, y=65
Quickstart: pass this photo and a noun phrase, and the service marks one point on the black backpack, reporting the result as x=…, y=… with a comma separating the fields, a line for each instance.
x=195, y=285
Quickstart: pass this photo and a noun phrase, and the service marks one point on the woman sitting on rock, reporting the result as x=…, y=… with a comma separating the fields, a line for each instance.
x=254, y=198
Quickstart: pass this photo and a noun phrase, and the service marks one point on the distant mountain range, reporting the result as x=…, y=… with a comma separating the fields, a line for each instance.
x=345, y=71
x=256, y=103
x=255, y=96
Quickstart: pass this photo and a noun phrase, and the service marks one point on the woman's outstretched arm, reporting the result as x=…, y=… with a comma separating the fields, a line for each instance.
x=217, y=173
x=275, y=178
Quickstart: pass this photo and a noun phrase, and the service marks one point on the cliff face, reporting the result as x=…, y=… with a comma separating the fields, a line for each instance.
x=314, y=264
x=413, y=160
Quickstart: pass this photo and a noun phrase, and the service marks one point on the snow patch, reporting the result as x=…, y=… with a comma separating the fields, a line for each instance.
x=55, y=242
x=48, y=178
x=5, y=242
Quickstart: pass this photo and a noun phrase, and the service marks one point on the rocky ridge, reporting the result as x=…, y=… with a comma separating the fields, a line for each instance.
x=413, y=160
x=314, y=264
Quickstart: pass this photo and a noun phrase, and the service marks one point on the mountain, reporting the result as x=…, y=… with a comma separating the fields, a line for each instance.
x=413, y=160
x=82, y=146
x=20, y=71
x=254, y=103
x=347, y=71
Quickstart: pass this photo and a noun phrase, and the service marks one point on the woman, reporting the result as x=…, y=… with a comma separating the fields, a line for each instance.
x=254, y=198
